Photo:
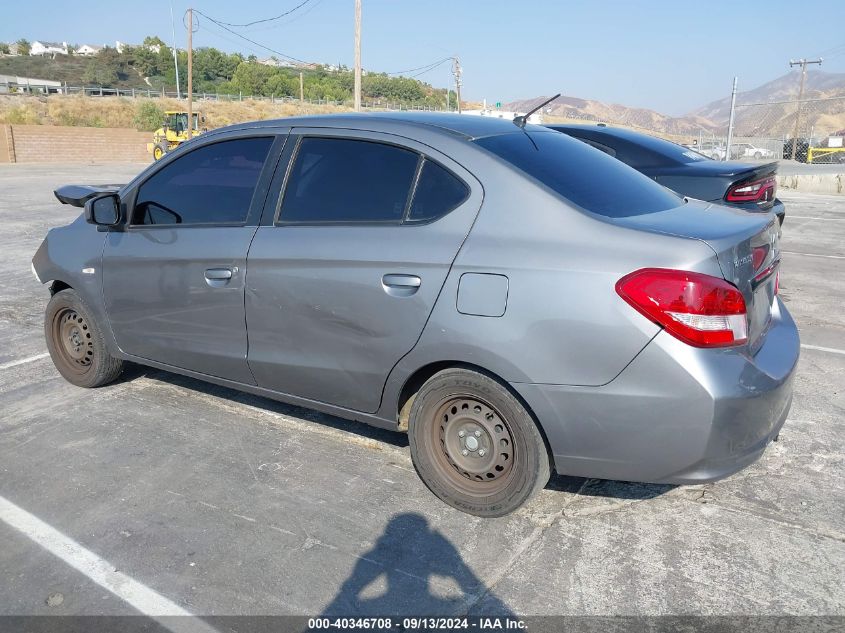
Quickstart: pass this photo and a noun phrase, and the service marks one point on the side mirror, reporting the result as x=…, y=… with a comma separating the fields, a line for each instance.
x=103, y=210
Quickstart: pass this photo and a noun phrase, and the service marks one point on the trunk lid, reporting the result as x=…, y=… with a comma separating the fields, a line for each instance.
x=745, y=245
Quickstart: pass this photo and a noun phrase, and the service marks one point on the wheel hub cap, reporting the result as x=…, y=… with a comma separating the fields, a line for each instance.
x=475, y=439
x=75, y=338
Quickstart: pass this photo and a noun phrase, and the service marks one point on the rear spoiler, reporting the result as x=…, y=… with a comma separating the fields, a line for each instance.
x=78, y=195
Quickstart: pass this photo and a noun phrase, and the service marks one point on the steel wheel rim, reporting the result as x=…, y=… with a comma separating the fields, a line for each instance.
x=472, y=445
x=73, y=340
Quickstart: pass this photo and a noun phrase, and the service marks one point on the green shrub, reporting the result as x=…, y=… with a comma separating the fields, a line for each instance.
x=148, y=116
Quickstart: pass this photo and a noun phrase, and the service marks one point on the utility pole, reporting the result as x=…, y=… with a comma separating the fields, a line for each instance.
x=803, y=63
x=357, y=55
x=175, y=56
x=190, y=72
x=301, y=90
x=457, y=71
x=731, y=122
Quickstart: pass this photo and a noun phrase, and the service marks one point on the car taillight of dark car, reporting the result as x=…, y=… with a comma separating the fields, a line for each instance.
x=761, y=190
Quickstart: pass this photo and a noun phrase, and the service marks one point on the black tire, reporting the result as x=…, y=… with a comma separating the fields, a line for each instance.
x=159, y=151
x=758, y=155
x=76, y=343
x=497, y=464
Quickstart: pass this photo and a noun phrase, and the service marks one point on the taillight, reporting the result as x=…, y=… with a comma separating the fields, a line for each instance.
x=698, y=309
x=762, y=190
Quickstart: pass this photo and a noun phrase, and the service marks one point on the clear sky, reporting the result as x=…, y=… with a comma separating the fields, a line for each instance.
x=671, y=56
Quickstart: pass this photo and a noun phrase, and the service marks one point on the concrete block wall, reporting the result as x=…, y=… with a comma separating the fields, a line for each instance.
x=57, y=144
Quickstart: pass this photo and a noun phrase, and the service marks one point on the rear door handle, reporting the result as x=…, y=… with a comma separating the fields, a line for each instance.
x=401, y=285
x=217, y=277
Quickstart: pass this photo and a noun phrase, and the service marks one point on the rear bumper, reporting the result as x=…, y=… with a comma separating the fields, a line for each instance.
x=778, y=208
x=676, y=414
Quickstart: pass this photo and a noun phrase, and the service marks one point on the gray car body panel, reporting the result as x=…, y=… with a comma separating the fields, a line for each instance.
x=597, y=375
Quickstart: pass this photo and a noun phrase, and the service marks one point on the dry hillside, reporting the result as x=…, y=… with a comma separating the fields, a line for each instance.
x=122, y=112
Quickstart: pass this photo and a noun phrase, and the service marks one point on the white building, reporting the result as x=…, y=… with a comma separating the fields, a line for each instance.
x=48, y=48
x=89, y=50
x=10, y=83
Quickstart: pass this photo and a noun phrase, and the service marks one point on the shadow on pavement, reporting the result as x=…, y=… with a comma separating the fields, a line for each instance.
x=559, y=483
x=412, y=570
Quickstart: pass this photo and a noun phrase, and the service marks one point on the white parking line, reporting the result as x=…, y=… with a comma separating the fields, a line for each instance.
x=134, y=593
x=815, y=255
x=808, y=217
x=818, y=348
x=23, y=361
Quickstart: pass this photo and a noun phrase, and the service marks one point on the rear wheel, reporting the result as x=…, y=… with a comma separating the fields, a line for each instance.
x=76, y=343
x=474, y=444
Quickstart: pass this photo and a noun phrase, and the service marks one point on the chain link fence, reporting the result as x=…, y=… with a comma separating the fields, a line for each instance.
x=810, y=130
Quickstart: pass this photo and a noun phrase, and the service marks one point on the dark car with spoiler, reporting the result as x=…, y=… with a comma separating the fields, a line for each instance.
x=749, y=186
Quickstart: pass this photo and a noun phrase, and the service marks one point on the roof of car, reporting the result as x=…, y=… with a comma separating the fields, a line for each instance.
x=619, y=132
x=468, y=126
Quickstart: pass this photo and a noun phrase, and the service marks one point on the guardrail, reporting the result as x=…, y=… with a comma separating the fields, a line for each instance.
x=149, y=93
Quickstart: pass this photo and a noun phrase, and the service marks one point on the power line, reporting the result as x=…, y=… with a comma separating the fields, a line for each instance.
x=278, y=17
x=427, y=70
x=411, y=70
x=251, y=41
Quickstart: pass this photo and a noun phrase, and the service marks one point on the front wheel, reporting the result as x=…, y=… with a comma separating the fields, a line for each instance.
x=159, y=151
x=474, y=444
x=76, y=342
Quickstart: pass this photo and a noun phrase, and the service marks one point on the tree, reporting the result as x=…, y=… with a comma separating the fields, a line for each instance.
x=4, y=48
x=153, y=41
x=99, y=74
x=24, y=47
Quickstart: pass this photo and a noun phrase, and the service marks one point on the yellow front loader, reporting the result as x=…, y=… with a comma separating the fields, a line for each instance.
x=174, y=132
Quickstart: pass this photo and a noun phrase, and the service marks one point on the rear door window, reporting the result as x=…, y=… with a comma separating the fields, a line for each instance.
x=212, y=184
x=583, y=175
x=343, y=180
x=437, y=193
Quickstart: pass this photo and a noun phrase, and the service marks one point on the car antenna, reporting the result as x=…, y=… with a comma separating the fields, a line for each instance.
x=522, y=119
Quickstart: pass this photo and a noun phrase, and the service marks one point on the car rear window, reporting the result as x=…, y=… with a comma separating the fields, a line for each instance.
x=637, y=150
x=585, y=176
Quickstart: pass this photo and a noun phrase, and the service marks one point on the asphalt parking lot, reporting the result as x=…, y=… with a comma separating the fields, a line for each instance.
x=214, y=502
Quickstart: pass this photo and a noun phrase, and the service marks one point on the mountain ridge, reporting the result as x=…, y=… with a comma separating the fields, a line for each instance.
x=713, y=117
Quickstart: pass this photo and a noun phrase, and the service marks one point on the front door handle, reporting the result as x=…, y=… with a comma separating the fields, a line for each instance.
x=218, y=277
x=400, y=285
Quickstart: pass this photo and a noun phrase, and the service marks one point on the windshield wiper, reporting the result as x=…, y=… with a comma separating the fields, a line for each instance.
x=522, y=119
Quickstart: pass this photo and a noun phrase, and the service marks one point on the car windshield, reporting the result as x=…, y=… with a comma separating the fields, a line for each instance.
x=583, y=175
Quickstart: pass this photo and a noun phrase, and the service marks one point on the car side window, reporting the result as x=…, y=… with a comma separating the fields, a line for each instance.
x=437, y=193
x=212, y=184
x=348, y=180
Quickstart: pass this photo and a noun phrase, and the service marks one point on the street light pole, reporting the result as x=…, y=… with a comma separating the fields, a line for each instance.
x=175, y=55
x=190, y=72
x=357, y=55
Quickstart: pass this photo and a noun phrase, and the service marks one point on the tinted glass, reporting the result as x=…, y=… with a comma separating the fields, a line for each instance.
x=346, y=180
x=209, y=185
x=438, y=192
x=639, y=150
x=582, y=174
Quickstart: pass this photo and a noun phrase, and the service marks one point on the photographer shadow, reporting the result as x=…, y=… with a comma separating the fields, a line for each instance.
x=412, y=570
